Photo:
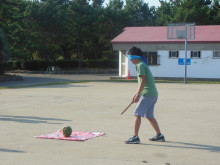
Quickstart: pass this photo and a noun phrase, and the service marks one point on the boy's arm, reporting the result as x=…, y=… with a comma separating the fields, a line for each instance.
x=140, y=89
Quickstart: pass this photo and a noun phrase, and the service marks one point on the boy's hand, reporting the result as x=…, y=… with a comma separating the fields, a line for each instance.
x=136, y=98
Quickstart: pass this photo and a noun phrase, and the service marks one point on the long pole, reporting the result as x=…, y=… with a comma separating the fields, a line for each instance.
x=185, y=78
x=127, y=107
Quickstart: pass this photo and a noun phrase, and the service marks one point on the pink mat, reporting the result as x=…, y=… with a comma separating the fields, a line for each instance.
x=75, y=136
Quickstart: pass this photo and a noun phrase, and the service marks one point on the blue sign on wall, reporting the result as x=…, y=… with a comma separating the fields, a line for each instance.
x=181, y=61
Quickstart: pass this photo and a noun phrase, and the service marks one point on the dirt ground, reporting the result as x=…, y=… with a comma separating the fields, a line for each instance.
x=188, y=115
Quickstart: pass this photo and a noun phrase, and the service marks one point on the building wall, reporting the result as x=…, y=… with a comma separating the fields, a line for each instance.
x=167, y=46
x=204, y=67
x=119, y=65
x=123, y=60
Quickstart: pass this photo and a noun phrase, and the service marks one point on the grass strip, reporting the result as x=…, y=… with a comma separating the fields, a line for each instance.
x=115, y=80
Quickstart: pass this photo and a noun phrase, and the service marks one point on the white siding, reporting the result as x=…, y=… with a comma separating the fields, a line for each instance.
x=169, y=67
x=204, y=67
x=120, y=74
x=131, y=68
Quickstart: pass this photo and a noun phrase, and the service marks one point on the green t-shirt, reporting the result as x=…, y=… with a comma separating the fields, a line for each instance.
x=149, y=87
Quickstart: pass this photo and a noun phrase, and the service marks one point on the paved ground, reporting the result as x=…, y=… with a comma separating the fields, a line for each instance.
x=188, y=115
x=33, y=79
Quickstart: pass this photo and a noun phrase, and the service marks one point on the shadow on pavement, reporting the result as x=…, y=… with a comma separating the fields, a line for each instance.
x=30, y=119
x=9, y=150
x=32, y=80
x=173, y=144
x=29, y=80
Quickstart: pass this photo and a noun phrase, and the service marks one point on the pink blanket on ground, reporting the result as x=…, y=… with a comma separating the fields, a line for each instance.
x=75, y=136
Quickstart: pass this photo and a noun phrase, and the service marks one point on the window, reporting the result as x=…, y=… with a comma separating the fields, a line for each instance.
x=216, y=54
x=151, y=57
x=174, y=54
x=195, y=54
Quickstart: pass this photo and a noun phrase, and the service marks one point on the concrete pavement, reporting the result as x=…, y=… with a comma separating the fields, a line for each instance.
x=36, y=79
x=188, y=115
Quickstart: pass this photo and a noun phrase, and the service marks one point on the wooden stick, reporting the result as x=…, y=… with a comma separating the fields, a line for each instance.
x=126, y=108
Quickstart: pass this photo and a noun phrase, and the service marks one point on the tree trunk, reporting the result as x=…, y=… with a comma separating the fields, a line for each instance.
x=78, y=54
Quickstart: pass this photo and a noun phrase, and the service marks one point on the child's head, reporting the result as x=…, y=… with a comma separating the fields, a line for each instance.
x=135, y=51
x=134, y=55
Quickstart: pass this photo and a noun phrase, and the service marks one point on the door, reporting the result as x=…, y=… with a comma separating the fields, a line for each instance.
x=123, y=64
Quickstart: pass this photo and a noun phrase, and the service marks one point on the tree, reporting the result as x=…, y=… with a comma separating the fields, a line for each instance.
x=111, y=21
x=11, y=24
x=83, y=29
x=3, y=51
x=97, y=4
x=180, y=11
x=139, y=12
x=165, y=13
x=215, y=12
x=197, y=11
x=46, y=23
x=80, y=21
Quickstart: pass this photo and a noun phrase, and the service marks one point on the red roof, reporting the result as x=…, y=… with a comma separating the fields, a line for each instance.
x=158, y=34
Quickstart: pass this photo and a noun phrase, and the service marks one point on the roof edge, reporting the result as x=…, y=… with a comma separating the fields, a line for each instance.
x=162, y=42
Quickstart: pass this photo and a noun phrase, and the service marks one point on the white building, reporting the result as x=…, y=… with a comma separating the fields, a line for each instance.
x=165, y=56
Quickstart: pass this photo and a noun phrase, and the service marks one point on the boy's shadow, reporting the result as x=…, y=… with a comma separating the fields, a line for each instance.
x=173, y=144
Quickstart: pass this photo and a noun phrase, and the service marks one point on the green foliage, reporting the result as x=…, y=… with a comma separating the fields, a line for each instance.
x=12, y=65
x=59, y=29
x=139, y=12
x=164, y=13
x=43, y=64
x=66, y=64
x=4, y=52
x=11, y=20
x=36, y=65
x=194, y=11
x=202, y=12
x=215, y=13
x=102, y=63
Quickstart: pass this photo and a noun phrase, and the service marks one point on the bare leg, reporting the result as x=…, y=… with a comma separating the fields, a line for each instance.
x=137, y=123
x=154, y=124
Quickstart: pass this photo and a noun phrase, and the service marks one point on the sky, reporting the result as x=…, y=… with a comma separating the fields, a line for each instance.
x=155, y=3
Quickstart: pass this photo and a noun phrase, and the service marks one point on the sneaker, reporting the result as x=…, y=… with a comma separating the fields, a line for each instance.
x=158, y=138
x=133, y=140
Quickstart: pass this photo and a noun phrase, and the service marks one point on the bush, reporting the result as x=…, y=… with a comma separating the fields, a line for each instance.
x=2, y=69
x=17, y=65
x=8, y=66
x=12, y=65
x=102, y=63
x=5, y=66
x=36, y=65
x=65, y=64
x=42, y=65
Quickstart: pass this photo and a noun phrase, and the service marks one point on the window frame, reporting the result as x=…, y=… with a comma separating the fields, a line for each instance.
x=192, y=55
x=151, y=57
x=171, y=54
x=216, y=57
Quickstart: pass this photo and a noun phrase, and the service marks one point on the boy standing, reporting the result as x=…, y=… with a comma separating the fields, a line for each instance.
x=146, y=97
